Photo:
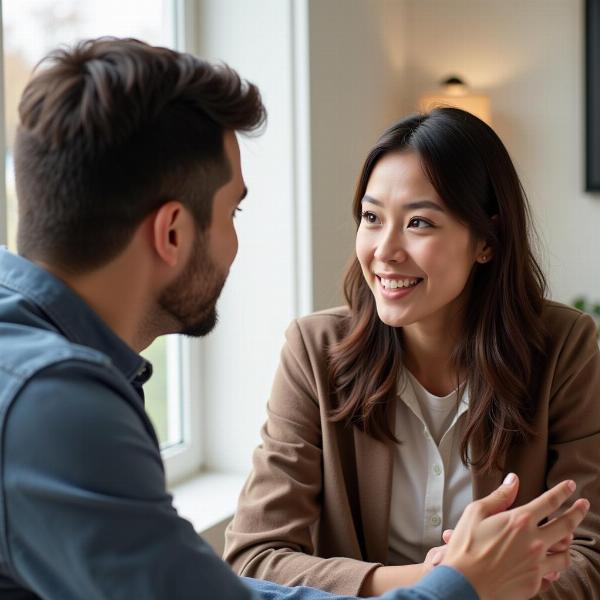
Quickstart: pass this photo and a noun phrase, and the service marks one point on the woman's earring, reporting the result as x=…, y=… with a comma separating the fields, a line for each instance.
x=483, y=258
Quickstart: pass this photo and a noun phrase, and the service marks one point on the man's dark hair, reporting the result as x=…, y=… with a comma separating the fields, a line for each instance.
x=109, y=131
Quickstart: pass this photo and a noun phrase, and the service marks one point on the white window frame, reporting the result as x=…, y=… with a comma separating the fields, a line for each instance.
x=184, y=362
x=3, y=199
x=184, y=355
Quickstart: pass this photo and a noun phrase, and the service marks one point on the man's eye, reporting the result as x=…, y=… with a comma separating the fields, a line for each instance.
x=237, y=210
x=418, y=223
x=369, y=217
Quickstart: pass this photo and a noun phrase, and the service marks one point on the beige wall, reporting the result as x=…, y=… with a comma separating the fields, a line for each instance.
x=370, y=61
x=358, y=57
x=528, y=56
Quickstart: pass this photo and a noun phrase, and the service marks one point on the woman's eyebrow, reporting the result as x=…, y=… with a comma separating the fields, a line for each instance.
x=424, y=204
x=371, y=200
x=410, y=205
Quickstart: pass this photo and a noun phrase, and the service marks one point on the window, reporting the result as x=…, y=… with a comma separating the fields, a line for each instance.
x=30, y=29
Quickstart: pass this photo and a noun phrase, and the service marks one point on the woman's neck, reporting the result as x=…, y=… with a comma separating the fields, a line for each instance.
x=428, y=353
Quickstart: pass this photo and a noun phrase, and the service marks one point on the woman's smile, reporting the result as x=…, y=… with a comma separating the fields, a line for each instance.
x=395, y=287
x=406, y=229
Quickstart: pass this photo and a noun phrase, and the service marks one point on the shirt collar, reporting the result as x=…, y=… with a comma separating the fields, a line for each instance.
x=406, y=393
x=70, y=314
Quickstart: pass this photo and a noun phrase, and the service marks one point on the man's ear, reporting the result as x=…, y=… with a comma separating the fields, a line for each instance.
x=171, y=233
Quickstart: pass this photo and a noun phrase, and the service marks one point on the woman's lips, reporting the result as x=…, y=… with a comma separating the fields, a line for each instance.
x=398, y=292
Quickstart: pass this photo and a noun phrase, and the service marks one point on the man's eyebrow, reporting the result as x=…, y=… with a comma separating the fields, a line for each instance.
x=410, y=206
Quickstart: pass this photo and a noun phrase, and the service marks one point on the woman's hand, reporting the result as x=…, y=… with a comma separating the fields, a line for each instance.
x=506, y=554
x=437, y=554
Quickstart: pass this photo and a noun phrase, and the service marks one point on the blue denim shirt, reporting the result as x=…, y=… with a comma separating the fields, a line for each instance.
x=84, y=509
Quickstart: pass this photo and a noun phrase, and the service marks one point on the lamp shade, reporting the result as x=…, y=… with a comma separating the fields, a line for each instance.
x=455, y=93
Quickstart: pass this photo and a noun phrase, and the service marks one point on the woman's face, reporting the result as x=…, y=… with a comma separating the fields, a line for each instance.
x=415, y=256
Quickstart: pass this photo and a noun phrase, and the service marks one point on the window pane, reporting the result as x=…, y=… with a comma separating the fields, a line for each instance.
x=31, y=28
x=165, y=356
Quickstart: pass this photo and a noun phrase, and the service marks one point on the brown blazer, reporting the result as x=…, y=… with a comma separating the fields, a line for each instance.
x=315, y=509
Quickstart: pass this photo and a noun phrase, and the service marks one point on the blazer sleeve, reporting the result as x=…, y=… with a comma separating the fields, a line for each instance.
x=270, y=535
x=574, y=453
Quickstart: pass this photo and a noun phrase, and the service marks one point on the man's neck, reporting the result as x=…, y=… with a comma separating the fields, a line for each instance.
x=114, y=293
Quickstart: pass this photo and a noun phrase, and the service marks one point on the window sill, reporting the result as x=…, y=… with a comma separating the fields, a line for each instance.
x=208, y=499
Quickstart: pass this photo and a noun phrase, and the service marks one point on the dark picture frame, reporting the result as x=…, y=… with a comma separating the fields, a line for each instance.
x=592, y=95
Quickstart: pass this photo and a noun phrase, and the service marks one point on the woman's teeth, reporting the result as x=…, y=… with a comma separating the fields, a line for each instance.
x=399, y=283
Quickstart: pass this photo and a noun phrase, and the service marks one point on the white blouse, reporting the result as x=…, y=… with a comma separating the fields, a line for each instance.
x=431, y=487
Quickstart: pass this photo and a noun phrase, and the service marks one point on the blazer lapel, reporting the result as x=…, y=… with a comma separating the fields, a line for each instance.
x=374, y=462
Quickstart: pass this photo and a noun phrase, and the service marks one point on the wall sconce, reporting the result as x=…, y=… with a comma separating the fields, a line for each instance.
x=456, y=93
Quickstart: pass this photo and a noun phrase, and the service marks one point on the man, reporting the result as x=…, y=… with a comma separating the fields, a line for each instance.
x=128, y=178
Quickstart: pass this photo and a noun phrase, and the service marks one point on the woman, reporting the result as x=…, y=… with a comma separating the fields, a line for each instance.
x=446, y=369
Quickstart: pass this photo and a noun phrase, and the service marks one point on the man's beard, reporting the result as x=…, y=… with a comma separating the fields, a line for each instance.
x=191, y=300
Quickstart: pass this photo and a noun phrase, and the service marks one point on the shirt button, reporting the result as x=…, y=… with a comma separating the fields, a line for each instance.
x=436, y=521
x=437, y=469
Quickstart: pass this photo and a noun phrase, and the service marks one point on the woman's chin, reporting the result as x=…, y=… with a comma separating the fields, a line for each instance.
x=393, y=318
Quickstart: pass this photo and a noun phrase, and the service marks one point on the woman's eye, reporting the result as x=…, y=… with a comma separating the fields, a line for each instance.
x=237, y=210
x=418, y=223
x=369, y=217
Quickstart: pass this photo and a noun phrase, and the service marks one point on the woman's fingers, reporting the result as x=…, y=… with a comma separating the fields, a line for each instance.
x=563, y=526
x=432, y=557
x=548, y=580
x=562, y=545
x=556, y=562
x=436, y=555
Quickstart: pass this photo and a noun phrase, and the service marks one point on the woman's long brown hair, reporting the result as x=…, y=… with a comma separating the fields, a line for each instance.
x=503, y=339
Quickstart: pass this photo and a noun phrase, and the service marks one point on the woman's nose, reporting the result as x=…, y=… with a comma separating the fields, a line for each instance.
x=390, y=247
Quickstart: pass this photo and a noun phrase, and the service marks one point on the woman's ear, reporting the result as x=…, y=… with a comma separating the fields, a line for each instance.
x=484, y=251
x=484, y=254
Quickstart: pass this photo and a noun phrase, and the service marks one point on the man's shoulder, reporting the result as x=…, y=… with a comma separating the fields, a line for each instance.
x=31, y=349
x=41, y=363
x=70, y=406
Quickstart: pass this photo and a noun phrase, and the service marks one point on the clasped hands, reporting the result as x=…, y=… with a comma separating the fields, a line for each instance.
x=504, y=553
